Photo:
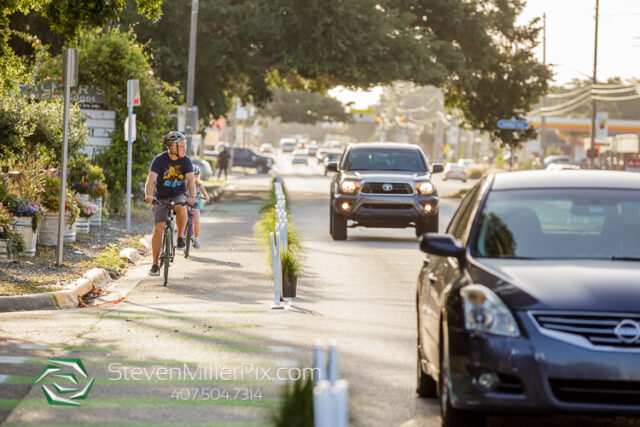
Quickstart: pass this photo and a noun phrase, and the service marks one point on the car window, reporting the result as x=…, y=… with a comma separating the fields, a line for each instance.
x=460, y=220
x=385, y=159
x=561, y=223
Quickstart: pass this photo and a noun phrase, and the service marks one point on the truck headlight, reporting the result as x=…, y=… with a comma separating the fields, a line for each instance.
x=349, y=186
x=425, y=188
x=485, y=312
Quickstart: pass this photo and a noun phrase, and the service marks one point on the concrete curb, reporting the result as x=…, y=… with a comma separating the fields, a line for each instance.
x=69, y=296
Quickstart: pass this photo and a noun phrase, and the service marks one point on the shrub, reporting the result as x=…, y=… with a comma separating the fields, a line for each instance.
x=296, y=405
x=32, y=177
x=290, y=264
x=477, y=172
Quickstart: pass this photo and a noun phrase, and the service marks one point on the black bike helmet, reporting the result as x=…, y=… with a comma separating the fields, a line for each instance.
x=172, y=138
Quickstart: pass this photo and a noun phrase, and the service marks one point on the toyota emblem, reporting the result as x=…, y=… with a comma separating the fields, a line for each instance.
x=387, y=187
x=628, y=331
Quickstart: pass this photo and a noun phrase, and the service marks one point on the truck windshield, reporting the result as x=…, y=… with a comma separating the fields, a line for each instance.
x=385, y=160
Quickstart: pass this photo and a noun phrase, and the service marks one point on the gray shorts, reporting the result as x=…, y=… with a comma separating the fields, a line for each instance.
x=160, y=209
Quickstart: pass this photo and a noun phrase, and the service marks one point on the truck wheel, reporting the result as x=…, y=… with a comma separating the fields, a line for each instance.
x=338, y=226
x=427, y=226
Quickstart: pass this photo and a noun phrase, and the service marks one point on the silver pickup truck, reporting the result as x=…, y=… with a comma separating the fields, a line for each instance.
x=384, y=185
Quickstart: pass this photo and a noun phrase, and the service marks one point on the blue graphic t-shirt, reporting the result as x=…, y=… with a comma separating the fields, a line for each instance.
x=172, y=180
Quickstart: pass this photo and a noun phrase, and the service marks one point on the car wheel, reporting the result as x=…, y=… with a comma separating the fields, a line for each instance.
x=464, y=180
x=261, y=168
x=338, y=225
x=427, y=226
x=452, y=417
x=426, y=387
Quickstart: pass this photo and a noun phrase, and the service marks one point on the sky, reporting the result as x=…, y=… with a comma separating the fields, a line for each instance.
x=570, y=42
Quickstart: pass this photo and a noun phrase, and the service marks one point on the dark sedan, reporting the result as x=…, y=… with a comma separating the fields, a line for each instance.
x=530, y=303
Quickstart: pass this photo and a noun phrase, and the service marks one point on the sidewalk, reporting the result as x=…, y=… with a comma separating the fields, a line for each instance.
x=214, y=313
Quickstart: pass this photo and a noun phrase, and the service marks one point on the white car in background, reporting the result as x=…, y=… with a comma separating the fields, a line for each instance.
x=300, y=157
x=455, y=171
x=562, y=167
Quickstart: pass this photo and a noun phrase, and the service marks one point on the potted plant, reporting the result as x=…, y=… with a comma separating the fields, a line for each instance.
x=27, y=216
x=97, y=193
x=12, y=243
x=290, y=273
x=87, y=209
x=48, y=234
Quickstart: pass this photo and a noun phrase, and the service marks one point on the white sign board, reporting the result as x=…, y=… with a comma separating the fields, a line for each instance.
x=100, y=124
x=133, y=128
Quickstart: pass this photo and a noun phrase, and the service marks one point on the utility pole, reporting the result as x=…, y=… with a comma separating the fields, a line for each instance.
x=189, y=127
x=593, y=101
x=543, y=119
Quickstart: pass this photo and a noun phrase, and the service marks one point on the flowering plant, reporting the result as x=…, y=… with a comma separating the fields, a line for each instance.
x=87, y=209
x=51, y=198
x=6, y=222
x=25, y=208
x=81, y=187
x=98, y=190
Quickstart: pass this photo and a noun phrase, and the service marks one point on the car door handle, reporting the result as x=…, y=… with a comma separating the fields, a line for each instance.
x=432, y=277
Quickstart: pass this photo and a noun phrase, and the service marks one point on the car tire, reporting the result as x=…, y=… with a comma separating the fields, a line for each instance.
x=426, y=386
x=428, y=226
x=464, y=180
x=450, y=416
x=337, y=225
x=261, y=168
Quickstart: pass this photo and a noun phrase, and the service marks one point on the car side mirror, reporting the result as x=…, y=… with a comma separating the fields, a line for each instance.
x=442, y=245
x=332, y=167
x=437, y=168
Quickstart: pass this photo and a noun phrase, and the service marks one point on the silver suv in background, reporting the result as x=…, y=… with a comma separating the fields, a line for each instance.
x=386, y=185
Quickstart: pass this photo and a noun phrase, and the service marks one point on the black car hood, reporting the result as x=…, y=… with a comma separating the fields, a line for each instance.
x=382, y=175
x=591, y=285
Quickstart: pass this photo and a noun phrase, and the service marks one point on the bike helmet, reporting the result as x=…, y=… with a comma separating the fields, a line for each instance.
x=172, y=138
x=196, y=170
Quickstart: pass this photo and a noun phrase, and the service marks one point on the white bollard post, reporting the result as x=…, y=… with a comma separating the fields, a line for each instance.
x=319, y=363
x=340, y=403
x=333, y=371
x=286, y=235
x=275, y=261
x=279, y=264
x=322, y=404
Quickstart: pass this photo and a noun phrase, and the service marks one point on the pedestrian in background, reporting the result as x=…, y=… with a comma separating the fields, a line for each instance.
x=223, y=162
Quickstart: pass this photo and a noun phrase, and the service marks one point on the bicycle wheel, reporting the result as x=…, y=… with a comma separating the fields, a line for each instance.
x=167, y=244
x=187, y=236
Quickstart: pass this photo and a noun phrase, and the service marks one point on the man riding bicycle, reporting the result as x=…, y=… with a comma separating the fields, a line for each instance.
x=175, y=170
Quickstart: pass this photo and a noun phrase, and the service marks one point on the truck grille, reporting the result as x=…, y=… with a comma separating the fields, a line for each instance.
x=593, y=329
x=377, y=188
x=385, y=206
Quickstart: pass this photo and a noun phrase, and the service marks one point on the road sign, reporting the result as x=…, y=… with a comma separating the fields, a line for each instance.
x=602, y=126
x=633, y=165
x=512, y=124
x=70, y=67
x=133, y=128
x=133, y=93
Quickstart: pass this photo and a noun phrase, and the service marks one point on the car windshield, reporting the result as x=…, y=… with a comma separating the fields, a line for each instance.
x=385, y=160
x=560, y=224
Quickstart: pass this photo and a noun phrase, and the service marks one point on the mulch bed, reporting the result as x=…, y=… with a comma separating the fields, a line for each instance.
x=27, y=275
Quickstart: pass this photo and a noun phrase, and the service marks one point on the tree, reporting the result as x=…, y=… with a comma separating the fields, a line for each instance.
x=305, y=107
x=109, y=60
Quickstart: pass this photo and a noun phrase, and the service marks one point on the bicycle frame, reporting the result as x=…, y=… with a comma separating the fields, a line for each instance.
x=168, y=250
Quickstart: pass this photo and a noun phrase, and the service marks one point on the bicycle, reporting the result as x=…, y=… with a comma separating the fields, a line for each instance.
x=189, y=228
x=168, y=250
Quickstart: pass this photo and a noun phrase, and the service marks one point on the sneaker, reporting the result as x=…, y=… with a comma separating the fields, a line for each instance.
x=196, y=243
x=155, y=270
x=181, y=246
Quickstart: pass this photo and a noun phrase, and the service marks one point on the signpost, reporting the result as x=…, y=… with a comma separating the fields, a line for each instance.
x=133, y=100
x=69, y=79
x=513, y=124
x=633, y=165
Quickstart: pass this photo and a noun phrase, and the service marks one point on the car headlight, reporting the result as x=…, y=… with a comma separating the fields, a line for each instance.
x=485, y=312
x=426, y=188
x=349, y=186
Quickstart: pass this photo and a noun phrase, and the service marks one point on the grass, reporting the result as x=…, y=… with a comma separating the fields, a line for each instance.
x=266, y=225
x=295, y=407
